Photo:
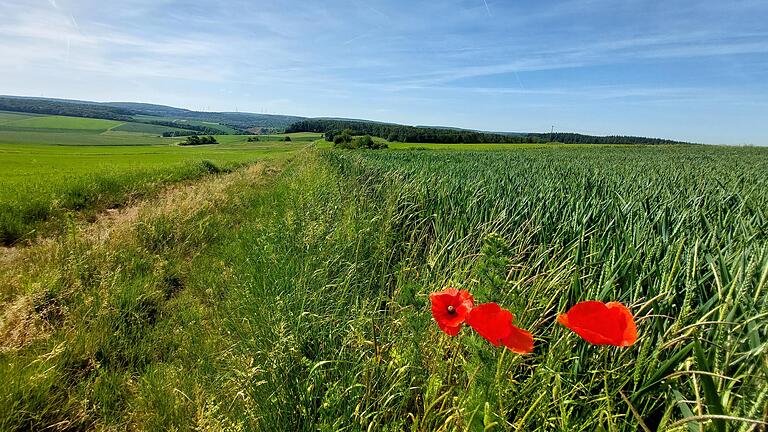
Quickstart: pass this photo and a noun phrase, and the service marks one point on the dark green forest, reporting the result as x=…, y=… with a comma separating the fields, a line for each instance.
x=206, y=130
x=574, y=138
x=199, y=140
x=73, y=109
x=414, y=134
x=237, y=120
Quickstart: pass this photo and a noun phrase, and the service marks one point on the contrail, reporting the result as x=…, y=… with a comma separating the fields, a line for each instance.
x=518, y=80
x=360, y=36
x=487, y=8
x=379, y=12
x=74, y=23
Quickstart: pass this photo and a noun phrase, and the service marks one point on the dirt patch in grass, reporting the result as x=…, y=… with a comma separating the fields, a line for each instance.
x=23, y=320
x=8, y=254
x=20, y=324
x=181, y=198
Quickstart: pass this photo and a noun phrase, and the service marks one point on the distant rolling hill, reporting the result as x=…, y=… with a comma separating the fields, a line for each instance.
x=243, y=122
x=64, y=108
x=128, y=111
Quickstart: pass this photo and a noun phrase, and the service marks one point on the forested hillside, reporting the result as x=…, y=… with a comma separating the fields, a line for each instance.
x=240, y=120
x=126, y=111
x=402, y=133
x=74, y=109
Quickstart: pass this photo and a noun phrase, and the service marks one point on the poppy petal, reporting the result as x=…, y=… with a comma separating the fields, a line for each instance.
x=519, y=340
x=451, y=331
x=600, y=323
x=629, y=336
x=491, y=322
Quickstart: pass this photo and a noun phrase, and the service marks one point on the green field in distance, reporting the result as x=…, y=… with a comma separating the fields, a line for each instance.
x=52, y=164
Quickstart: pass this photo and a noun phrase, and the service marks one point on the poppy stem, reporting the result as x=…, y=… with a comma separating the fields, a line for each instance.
x=499, y=365
x=453, y=360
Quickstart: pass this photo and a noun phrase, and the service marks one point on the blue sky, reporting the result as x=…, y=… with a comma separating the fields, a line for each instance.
x=693, y=70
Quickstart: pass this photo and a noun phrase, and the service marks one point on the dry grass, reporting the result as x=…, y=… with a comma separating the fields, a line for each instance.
x=21, y=324
x=22, y=321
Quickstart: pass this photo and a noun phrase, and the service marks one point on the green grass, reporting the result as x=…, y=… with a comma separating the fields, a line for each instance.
x=297, y=299
x=144, y=128
x=7, y=116
x=80, y=138
x=74, y=131
x=40, y=183
x=223, y=128
x=59, y=123
x=146, y=330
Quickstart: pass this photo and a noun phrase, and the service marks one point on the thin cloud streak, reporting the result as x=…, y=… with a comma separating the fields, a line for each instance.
x=485, y=2
x=587, y=56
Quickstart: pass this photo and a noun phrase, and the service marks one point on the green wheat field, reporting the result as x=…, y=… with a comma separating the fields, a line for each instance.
x=283, y=285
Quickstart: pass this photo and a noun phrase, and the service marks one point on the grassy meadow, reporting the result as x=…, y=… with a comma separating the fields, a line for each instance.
x=22, y=128
x=219, y=126
x=291, y=291
x=51, y=166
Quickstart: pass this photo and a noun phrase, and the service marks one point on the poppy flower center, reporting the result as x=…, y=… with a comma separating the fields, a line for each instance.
x=451, y=310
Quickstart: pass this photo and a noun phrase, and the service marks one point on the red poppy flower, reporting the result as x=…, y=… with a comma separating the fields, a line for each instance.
x=450, y=308
x=601, y=323
x=495, y=324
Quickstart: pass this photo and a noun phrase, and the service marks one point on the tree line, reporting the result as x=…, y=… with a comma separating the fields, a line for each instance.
x=199, y=140
x=345, y=139
x=179, y=133
x=418, y=134
x=401, y=133
x=72, y=109
x=574, y=138
x=205, y=130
